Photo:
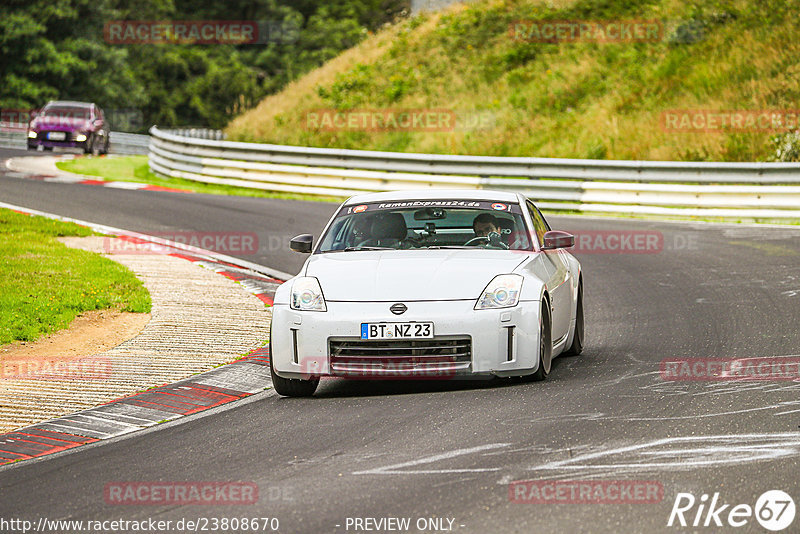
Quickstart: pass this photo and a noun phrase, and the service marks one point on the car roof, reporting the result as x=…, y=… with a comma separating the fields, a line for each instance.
x=434, y=194
x=71, y=103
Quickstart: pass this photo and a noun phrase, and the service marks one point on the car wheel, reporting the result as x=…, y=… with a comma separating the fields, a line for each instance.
x=105, y=147
x=545, y=344
x=95, y=148
x=577, y=340
x=47, y=148
x=290, y=387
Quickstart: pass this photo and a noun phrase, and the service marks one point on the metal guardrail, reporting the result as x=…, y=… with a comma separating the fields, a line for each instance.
x=128, y=143
x=13, y=139
x=758, y=190
x=120, y=142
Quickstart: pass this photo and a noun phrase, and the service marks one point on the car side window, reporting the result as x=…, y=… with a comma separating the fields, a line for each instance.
x=544, y=221
x=539, y=224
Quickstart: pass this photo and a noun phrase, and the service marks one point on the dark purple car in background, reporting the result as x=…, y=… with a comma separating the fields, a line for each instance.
x=71, y=125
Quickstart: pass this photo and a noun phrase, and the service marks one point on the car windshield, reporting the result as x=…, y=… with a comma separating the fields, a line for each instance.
x=427, y=224
x=67, y=112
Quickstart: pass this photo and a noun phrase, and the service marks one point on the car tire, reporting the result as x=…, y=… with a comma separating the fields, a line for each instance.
x=290, y=387
x=47, y=148
x=545, y=344
x=95, y=150
x=577, y=339
x=104, y=151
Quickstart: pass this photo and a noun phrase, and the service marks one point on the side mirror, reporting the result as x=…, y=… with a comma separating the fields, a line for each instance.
x=302, y=243
x=557, y=239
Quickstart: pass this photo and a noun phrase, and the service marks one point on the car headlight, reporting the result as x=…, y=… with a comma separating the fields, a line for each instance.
x=80, y=138
x=502, y=292
x=307, y=295
x=31, y=135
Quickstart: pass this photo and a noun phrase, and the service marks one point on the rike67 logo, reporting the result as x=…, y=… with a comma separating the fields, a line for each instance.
x=774, y=510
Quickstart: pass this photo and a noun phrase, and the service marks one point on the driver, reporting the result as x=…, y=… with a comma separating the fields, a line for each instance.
x=484, y=224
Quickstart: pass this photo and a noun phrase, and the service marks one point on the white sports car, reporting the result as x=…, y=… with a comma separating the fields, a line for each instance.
x=428, y=284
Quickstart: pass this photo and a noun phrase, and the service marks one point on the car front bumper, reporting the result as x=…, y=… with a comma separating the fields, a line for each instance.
x=466, y=342
x=33, y=143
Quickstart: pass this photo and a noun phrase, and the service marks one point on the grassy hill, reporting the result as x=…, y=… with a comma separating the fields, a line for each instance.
x=565, y=99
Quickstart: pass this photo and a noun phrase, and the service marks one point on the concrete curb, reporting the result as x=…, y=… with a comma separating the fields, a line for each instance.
x=44, y=168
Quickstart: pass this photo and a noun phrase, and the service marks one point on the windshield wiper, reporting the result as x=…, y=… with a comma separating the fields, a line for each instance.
x=351, y=249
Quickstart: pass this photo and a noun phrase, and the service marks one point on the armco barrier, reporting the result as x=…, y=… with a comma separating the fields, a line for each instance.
x=751, y=190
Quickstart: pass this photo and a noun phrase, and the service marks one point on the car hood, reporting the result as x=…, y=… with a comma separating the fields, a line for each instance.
x=65, y=124
x=404, y=275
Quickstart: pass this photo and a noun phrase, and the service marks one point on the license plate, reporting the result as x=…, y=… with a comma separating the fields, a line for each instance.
x=56, y=136
x=397, y=330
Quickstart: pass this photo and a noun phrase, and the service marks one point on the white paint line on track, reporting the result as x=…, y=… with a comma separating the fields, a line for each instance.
x=89, y=416
x=125, y=185
x=132, y=411
x=73, y=429
x=394, y=469
x=687, y=452
x=64, y=179
x=244, y=377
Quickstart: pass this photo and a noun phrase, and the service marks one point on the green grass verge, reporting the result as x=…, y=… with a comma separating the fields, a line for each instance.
x=44, y=284
x=135, y=169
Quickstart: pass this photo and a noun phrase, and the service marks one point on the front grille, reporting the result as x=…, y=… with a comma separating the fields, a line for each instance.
x=416, y=358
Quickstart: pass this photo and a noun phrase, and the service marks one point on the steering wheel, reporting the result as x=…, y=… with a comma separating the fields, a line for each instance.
x=492, y=240
x=476, y=241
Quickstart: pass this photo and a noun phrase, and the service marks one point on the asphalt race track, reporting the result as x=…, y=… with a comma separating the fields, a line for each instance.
x=449, y=449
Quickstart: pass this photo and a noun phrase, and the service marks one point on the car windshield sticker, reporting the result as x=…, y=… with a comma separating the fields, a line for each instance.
x=413, y=204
